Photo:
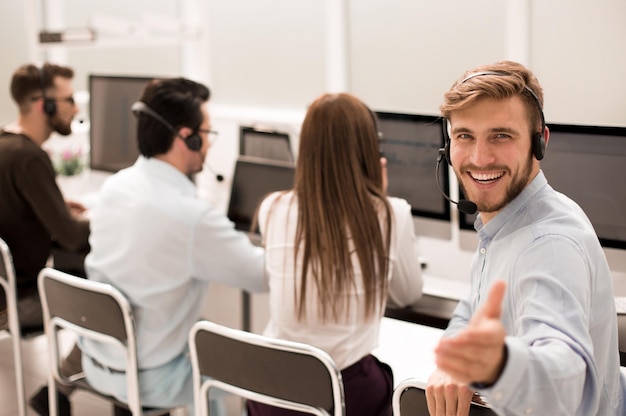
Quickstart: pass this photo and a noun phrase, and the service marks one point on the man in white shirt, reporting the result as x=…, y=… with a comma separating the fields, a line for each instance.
x=153, y=239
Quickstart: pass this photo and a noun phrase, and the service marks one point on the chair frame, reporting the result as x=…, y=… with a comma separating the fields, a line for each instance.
x=9, y=285
x=476, y=409
x=85, y=323
x=203, y=381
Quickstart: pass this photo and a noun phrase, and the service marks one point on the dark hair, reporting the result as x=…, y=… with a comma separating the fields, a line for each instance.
x=179, y=102
x=28, y=81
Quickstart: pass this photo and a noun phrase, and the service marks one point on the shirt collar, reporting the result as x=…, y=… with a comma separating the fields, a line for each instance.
x=166, y=172
x=486, y=232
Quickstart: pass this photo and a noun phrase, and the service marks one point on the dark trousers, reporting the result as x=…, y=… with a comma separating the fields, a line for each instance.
x=367, y=386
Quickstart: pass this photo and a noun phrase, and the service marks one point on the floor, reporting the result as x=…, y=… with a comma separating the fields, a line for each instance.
x=35, y=364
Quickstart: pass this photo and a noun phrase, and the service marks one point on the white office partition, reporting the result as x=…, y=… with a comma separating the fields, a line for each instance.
x=405, y=54
x=577, y=50
x=268, y=54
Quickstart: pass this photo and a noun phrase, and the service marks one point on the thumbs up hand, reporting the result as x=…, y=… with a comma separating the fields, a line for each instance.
x=477, y=354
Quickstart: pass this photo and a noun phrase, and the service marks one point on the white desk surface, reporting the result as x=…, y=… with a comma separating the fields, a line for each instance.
x=408, y=349
x=445, y=287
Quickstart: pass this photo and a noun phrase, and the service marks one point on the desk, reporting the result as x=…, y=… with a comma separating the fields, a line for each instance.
x=408, y=348
x=435, y=308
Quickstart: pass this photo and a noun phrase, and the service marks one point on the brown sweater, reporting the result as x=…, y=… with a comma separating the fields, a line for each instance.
x=33, y=214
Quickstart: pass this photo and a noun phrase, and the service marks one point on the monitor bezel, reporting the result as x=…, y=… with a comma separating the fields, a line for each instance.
x=279, y=135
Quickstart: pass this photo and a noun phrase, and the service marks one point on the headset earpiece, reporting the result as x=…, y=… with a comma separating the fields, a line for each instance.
x=49, y=105
x=193, y=142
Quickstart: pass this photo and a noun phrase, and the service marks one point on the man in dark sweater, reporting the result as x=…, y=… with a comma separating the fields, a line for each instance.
x=34, y=216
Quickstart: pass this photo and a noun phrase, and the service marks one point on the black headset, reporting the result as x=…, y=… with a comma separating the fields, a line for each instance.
x=193, y=141
x=49, y=104
x=538, y=139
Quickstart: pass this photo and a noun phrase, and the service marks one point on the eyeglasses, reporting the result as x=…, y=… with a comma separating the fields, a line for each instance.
x=212, y=134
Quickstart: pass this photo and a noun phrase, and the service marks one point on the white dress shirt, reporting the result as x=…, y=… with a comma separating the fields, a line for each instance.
x=154, y=240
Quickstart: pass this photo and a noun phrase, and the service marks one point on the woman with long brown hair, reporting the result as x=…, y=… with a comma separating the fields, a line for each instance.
x=336, y=248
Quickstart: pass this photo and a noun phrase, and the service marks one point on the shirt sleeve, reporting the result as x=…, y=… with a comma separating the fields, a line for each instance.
x=405, y=286
x=224, y=255
x=550, y=367
x=36, y=181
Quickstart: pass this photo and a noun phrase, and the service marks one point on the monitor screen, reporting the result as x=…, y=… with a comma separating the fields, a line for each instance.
x=113, y=128
x=253, y=179
x=587, y=163
x=411, y=145
x=267, y=144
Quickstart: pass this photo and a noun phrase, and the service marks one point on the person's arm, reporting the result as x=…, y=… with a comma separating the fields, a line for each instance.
x=405, y=286
x=547, y=365
x=224, y=255
x=37, y=184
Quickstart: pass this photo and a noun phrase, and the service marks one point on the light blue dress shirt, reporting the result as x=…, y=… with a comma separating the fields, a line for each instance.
x=154, y=240
x=558, y=310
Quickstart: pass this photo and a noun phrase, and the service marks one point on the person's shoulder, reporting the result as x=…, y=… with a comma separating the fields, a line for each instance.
x=282, y=197
x=19, y=144
x=399, y=204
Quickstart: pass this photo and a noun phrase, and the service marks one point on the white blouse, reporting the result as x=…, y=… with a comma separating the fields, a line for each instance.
x=352, y=337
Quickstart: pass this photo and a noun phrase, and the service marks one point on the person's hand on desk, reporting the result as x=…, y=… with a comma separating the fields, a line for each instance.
x=76, y=209
x=476, y=355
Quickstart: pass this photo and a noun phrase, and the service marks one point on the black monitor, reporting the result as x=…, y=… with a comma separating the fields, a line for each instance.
x=267, y=144
x=113, y=128
x=411, y=145
x=254, y=179
x=587, y=163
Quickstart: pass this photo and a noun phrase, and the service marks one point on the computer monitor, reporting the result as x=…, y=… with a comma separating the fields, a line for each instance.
x=411, y=145
x=587, y=163
x=267, y=144
x=255, y=178
x=113, y=128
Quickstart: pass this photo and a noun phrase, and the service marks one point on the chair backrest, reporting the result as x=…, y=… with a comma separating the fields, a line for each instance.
x=409, y=399
x=93, y=310
x=280, y=373
x=8, y=287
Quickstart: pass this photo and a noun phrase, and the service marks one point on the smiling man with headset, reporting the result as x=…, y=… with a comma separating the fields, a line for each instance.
x=538, y=332
x=161, y=246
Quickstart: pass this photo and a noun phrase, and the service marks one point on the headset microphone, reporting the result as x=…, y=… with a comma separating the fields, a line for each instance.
x=465, y=206
x=218, y=176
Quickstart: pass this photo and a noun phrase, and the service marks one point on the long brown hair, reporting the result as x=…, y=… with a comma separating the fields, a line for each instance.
x=339, y=188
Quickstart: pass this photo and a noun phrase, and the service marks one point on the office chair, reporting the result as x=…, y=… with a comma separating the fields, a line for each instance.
x=409, y=399
x=8, y=285
x=96, y=311
x=280, y=373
